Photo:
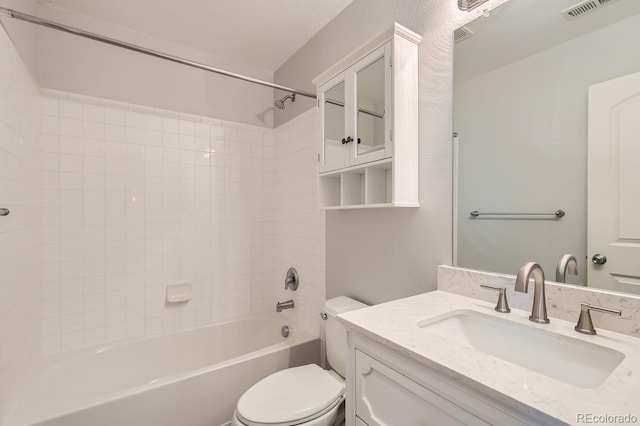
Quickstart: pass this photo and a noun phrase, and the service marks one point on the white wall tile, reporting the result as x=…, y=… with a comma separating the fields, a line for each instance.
x=135, y=198
x=294, y=227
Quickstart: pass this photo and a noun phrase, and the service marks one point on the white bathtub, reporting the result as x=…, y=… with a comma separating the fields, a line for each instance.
x=189, y=378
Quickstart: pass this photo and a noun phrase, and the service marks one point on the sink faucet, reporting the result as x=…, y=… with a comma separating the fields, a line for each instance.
x=567, y=263
x=539, y=308
x=281, y=306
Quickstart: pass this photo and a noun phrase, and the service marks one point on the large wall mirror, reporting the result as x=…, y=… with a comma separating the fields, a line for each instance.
x=547, y=140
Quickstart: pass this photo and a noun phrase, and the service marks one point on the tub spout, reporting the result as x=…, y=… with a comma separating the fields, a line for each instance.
x=281, y=306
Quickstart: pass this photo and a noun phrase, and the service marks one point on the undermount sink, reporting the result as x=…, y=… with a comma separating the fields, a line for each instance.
x=563, y=358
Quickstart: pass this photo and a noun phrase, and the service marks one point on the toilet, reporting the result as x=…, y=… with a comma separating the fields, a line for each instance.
x=306, y=395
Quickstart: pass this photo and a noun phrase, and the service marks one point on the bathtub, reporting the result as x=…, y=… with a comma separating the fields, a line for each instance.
x=188, y=378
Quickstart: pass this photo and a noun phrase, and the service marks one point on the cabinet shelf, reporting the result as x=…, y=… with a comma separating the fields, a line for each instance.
x=384, y=164
x=364, y=186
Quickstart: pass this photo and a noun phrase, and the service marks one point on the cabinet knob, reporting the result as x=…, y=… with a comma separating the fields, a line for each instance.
x=347, y=140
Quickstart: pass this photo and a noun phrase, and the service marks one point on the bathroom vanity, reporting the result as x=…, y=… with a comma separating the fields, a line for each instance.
x=451, y=359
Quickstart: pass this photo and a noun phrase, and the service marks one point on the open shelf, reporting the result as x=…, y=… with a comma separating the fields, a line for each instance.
x=329, y=191
x=363, y=186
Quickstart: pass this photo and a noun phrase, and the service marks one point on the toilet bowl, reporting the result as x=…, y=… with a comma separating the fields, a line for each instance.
x=306, y=395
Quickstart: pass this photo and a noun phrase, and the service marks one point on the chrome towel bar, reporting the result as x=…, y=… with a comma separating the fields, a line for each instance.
x=558, y=214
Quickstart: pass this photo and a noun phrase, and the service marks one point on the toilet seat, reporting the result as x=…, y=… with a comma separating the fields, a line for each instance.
x=291, y=396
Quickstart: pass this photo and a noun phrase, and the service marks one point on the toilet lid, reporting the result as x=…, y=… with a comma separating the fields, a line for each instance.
x=290, y=395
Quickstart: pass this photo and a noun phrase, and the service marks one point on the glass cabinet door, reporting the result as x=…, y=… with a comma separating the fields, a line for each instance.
x=335, y=147
x=371, y=99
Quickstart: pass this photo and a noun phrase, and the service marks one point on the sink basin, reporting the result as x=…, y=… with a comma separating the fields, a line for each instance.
x=563, y=358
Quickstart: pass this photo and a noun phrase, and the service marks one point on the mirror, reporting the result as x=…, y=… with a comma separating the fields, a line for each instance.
x=336, y=153
x=526, y=145
x=370, y=99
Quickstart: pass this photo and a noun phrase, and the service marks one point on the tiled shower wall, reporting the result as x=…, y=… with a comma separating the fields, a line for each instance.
x=112, y=202
x=136, y=199
x=296, y=223
x=20, y=231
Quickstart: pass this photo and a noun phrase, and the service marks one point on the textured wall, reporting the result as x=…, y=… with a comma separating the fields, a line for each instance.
x=389, y=253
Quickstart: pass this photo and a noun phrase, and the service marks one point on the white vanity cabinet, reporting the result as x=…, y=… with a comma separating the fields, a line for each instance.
x=368, y=125
x=388, y=389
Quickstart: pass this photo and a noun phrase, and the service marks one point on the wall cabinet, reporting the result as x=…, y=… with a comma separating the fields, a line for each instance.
x=368, y=125
x=356, y=111
x=386, y=389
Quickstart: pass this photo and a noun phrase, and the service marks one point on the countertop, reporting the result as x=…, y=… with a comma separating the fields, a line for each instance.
x=393, y=324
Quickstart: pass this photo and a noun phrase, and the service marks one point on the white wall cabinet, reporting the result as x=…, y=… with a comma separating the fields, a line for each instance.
x=388, y=389
x=368, y=125
x=356, y=113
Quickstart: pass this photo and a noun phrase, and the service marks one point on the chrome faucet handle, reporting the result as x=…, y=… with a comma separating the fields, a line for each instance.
x=292, y=279
x=585, y=324
x=503, y=304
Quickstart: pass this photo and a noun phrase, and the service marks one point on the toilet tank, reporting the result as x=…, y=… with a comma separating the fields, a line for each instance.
x=335, y=333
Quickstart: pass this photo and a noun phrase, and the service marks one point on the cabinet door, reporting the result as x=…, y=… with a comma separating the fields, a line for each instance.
x=335, y=151
x=371, y=115
x=387, y=398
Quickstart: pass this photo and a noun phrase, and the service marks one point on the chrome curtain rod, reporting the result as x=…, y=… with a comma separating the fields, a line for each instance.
x=558, y=214
x=362, y=110
x=107, y=40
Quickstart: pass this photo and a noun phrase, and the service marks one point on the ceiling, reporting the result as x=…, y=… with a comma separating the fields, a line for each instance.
x=520, y=28
x=259, y=33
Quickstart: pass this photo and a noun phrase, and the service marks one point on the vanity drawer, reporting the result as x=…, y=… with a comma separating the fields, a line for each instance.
x=387, y=397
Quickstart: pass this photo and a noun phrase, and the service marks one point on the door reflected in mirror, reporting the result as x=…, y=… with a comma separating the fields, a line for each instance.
x=547, y=117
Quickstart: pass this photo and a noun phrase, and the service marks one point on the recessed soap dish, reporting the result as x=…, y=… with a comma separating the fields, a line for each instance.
x=179, y=293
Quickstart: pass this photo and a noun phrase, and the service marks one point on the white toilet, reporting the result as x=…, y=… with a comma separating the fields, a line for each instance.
x=306, y=395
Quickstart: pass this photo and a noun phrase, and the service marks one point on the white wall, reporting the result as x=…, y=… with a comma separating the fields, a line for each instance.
x=390, y=253
x=20, y=231
x=76, y=65
x=136, y=199
x=523, y=147
x=24, y=37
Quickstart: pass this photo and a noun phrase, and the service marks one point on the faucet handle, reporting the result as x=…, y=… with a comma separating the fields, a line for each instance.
x=503, y=304
x=585, y=324
x=292, y=279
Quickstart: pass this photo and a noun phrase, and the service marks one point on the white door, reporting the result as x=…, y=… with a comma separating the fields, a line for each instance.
x=614, y=184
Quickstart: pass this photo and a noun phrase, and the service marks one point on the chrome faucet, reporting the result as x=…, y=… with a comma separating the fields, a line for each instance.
x=281, y=306
x=539, y=308
x=567, y=263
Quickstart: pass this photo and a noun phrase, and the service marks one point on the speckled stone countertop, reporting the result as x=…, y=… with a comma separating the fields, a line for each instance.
x=393, y=324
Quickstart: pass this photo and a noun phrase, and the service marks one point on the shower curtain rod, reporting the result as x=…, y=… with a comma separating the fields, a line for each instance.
x=76, y=31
